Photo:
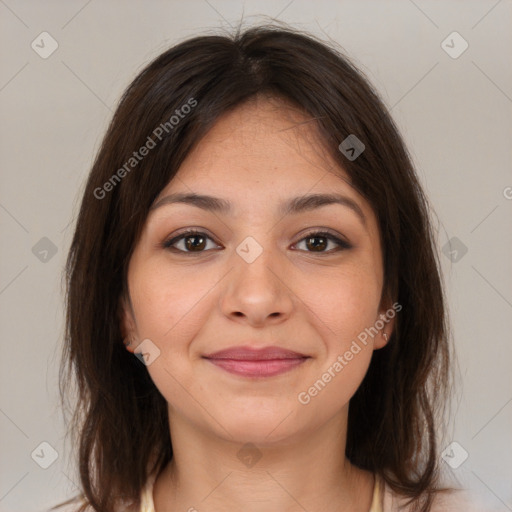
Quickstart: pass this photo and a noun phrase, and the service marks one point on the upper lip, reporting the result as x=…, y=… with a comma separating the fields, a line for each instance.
x=255, y=354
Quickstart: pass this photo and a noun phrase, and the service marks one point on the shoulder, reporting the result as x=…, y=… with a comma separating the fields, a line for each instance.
x=462, y=500
x=70, y=506
x=81, y=505
x=457, y=500
x=73, y=505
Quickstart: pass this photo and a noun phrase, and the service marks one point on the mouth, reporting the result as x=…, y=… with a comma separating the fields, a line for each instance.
x=256, y=363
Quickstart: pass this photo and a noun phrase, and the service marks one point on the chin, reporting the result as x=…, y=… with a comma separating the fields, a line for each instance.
x=261, y=426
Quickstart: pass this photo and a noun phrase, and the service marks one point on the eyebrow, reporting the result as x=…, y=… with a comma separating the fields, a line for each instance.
x=292, y=206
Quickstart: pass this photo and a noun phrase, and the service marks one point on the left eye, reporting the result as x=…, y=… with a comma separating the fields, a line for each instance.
x=197, y=241
x=319, y=240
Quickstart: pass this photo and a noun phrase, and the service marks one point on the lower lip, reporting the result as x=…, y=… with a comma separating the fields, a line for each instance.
x=260, y=368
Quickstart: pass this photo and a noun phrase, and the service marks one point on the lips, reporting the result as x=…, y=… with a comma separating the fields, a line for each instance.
x=251, y=362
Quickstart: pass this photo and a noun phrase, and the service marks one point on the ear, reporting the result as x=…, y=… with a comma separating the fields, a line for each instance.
x=385, y=322
x=127, y=323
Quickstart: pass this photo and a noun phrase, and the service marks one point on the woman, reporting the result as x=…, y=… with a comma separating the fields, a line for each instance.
x=255, y=315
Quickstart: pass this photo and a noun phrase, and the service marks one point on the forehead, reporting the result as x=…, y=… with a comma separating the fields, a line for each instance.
x=261, y=153
x=264, y=135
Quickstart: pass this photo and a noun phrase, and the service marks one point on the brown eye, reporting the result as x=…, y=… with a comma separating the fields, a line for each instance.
x=191, y=242
x=314, y=244
x=318, y=242
x=195, y=242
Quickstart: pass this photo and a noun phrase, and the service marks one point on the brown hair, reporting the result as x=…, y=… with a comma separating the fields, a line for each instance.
x=120, y=424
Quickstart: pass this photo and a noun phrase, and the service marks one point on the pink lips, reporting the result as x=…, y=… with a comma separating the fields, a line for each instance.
x=250, y=362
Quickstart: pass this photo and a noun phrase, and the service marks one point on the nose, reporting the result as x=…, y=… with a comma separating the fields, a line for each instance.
x=257, y=293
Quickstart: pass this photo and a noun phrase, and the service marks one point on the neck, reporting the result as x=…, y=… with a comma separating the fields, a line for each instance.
x=308, y=471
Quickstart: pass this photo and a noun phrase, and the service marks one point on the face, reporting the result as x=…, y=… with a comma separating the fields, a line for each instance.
x=272, y=270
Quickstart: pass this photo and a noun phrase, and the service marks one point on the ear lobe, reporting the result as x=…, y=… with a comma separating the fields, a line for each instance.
x=381, y=340
x=126, y=322
x=386, y=323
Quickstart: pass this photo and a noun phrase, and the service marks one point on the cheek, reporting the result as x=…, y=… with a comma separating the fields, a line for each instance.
x=167, y=300
x=345, y=303
x=344, y=307
x=335, y=385
x=171, y=306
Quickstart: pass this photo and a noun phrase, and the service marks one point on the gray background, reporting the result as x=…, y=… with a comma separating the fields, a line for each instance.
x=453, y=112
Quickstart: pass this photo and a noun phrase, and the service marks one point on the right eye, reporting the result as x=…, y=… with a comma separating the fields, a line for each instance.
x=192, y=241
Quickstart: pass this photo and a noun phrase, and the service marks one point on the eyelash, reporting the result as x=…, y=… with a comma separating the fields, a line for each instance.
x=342, y=244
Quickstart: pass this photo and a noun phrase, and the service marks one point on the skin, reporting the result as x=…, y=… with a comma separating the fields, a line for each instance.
x=316, y=303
